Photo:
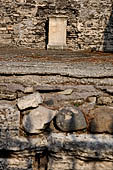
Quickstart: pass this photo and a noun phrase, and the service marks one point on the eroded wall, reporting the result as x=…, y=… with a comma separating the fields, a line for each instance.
x=52, y=120
x=25, y=23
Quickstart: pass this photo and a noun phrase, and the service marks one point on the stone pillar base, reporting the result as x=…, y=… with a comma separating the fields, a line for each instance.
x=56, y=47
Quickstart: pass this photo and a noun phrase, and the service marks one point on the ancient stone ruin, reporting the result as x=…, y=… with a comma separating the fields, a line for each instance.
x=56, y=105
x=26, y=23
x=57, y=112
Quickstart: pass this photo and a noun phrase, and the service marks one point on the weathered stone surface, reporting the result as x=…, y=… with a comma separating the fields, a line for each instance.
x=10, y=86
x=24, y=23
x=15, y=162
x=40, y=83
x=78, y=70
x=85, y=91
x=66, y=92
x=67, y=162
x=70, y=119
x=49, y=83
x=8, y=90
x=76, y=95
x=86, y=108
x=32, y=100
x=38, y=119
x=103, y=120
x=9, y=120
x=50, y=102
x=78, y=102
x=63, y=152
x=108, y=89
x=91, y=99
x=8, y=96
x=22, y=143
x=104, y=100
x=83, y=146
x=28, y=90
x=57, y=32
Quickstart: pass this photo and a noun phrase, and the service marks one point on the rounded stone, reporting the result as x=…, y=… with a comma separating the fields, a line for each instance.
x=70, y=119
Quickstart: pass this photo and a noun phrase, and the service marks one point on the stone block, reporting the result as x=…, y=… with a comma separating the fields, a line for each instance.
x=103, y=120
x=38, y=119
x=32, y=100
x=57, y=32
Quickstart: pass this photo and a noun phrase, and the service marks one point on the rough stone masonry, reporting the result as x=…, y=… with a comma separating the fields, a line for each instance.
x=25, y=23
x=56, y=114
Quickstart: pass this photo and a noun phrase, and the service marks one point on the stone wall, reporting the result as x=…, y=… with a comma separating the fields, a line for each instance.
x=25, y=23
x=56, y=116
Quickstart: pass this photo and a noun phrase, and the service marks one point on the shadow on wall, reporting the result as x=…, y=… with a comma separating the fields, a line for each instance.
x=108, y=35
x=46, y=32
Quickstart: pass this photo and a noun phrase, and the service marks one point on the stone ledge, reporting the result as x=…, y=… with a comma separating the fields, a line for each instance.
x=78, y=69
x=83, y=146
